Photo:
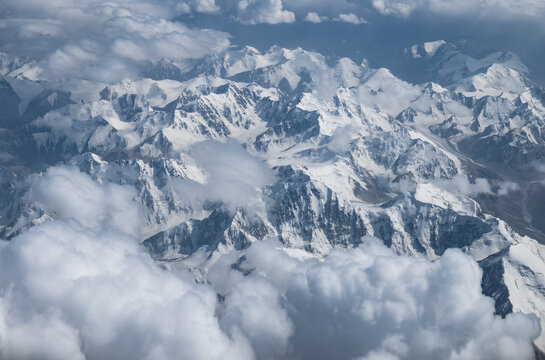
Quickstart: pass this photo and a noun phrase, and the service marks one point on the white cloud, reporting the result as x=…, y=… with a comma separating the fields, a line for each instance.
x=204, y=6
x=401, y=8
x=100, y=40
x=254, y=307
x=315, y=18
x=64, y=190
x=233, y=176
x=461, y=185
x=82, y=287
x=377, y=89
x=35, y=336
x=350, y=18
x=370, y=303
x=485, y=9
x=263, y=12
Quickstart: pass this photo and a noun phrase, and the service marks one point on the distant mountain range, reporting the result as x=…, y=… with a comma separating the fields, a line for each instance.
x=316, y=152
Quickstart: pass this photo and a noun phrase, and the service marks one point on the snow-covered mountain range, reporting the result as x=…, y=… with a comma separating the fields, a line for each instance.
x=316, y=153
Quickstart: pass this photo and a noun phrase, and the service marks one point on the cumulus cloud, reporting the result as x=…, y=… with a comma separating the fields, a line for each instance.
x=263, y=12
x=375, y=92
x=254, y=307
x=372, y=304
x=81, y=287
x=405, y=8
x=64, y=190
x=350, y=18
x=100, y=40
x=461, y=185
x=233, y=176
x=202, y=6
x=402, y=8
x=313, y=17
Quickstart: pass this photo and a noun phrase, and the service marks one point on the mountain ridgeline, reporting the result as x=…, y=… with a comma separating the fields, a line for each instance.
x=318, y=153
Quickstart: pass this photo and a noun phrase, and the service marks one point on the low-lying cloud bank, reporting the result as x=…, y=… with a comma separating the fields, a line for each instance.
x=369, y=303
x=81, y=287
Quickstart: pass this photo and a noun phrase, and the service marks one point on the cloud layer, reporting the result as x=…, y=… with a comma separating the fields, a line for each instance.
x=369, y=303
x=404, y=8
x=81, y=287
x=232, y=177
x=263, y=11
x=100, y=40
